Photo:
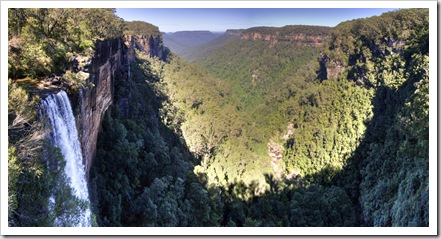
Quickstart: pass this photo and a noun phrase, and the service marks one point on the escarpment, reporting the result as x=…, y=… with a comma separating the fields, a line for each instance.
x=151, y=45
x=298, y=35
x=109, y=64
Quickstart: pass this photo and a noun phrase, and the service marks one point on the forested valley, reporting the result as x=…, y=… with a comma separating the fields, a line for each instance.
x=298, y=126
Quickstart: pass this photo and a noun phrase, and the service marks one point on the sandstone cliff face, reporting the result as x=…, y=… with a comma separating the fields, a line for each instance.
x=329, y=68
x=152, y=45
x=296, y=38
x=332, y=72
x=108, y=63
x=332, y=68
x=233, y=32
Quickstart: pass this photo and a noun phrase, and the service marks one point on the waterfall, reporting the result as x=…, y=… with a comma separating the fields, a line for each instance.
x=64, y=135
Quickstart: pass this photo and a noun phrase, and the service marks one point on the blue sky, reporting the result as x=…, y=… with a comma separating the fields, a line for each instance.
x=221, y=19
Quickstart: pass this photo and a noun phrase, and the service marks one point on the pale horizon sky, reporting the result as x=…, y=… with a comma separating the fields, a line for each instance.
x=221, y=19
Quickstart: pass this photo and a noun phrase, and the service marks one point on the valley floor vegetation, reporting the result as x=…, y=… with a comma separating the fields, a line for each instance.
x=251, y=133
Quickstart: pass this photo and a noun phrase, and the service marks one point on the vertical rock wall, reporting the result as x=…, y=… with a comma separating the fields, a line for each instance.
x=151, y=45
x=108, y=63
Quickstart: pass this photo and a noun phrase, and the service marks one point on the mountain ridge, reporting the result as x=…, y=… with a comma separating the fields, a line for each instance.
x=182, y=41
x=275, y=129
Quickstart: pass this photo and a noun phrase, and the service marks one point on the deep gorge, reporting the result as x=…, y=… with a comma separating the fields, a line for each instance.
x=292, y=126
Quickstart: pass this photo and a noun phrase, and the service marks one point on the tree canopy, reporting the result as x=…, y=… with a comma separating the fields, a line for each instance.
x=255, y=133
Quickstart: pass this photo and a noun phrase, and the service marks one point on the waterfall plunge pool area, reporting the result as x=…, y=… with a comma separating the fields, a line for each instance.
x=64, y=135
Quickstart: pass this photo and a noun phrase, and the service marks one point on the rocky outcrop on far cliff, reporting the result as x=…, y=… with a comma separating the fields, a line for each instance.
x=151, y=45
x=299, y=34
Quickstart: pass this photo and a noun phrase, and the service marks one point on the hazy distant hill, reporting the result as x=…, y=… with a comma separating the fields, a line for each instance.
x=299, y=126
x=181, y=42
x=203, y=50
x=304, y=35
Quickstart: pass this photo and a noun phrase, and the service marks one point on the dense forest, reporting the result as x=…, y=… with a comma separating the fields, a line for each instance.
x=310, y=126
x=42, y=43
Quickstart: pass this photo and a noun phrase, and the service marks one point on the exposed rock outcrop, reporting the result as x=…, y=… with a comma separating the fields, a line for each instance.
x=108, y=64
x=275, y=152
x=233, y=32
x=334, y=69
x=296, y=38
x=151, y=45
x=329, y=68
x=294, y=34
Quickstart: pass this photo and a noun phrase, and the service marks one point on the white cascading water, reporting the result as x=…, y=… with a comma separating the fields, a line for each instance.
x=65, y=136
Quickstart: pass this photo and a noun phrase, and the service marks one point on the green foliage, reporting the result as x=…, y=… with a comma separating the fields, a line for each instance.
x=344, y=134
x=187, y=145
x=290, y=30
x=13, y=175
x=41, y=40
x=329, y=121
x=21, y=109
x=290, y=205
x=144, y=178
x=359, y=143
x=35, y=169
x=197, y=52
x=75, y=80
x=333, y=120
x=396, y=171
x=319, y=207
x=390, y=54
x=140, y=28
x=183, y=43
x=371, y=47
x=228, y=117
